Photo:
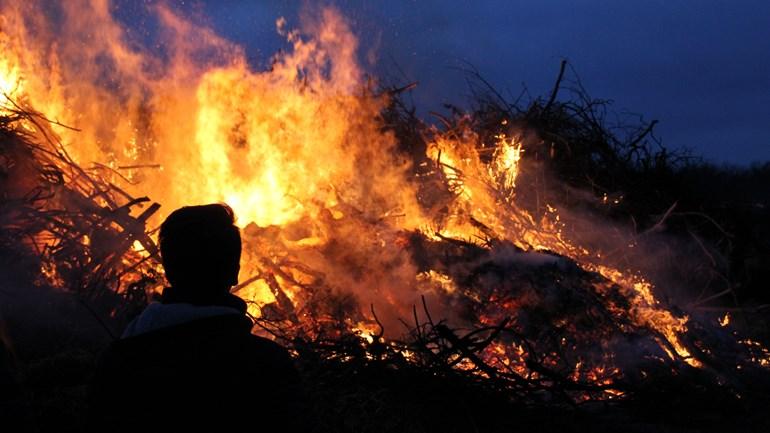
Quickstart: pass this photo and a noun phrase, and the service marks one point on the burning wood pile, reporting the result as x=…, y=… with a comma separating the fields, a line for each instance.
x=70, y=223
x=371, y=240
x=539, y=325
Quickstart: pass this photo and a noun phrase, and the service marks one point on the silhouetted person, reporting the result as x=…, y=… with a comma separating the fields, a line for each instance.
x=190, y=362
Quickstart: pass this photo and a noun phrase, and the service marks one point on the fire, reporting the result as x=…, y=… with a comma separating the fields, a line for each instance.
x=505, y=163
x=724, y=320
x=10, y=75
x=300, y=153
x=273, y=144
x=760, y=355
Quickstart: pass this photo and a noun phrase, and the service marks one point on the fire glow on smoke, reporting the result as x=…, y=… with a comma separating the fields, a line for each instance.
x=299, y=147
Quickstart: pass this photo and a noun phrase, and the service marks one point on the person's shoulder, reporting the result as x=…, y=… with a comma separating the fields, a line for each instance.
x=224, y=324
x=212, y=331
x=228, y=336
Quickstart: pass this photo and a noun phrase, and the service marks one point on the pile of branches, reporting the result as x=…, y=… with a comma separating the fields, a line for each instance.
x=68, y=227
x=81, y=227
x=560, y=321
x=590, y=159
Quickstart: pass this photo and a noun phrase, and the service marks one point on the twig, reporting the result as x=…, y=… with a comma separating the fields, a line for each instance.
x=556, y=86
x=377, y=320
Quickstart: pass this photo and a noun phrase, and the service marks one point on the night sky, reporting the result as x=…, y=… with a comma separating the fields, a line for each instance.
x=701, y=67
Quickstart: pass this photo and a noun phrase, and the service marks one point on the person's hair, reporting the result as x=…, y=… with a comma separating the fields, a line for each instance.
x=200, y=247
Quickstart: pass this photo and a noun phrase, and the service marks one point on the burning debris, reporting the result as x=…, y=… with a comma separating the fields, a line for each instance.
x=73, y=223
x=370, y=239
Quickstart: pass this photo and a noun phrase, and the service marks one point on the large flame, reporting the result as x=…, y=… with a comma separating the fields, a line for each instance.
x=194, y=123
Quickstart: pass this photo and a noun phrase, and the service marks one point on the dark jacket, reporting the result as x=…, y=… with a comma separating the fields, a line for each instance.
x=208, y=373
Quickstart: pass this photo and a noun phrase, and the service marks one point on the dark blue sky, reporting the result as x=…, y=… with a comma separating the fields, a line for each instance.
x=701, y=67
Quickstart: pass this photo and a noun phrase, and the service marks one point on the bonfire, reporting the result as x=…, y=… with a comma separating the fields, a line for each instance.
x=372, y=239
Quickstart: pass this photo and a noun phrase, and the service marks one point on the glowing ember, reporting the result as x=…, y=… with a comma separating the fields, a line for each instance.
x=724, y=320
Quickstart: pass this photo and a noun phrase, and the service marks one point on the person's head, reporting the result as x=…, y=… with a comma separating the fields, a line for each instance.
x=200, y=247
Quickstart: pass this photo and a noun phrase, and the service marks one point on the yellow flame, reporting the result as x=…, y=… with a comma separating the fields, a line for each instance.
x=724, y=320
x=505, y=165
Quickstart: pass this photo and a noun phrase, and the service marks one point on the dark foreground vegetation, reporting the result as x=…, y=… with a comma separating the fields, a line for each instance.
x=606, y=164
